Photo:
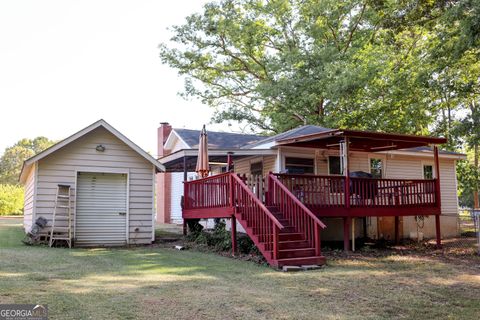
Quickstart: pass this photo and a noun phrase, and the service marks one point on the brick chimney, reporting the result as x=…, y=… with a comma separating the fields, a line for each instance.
x=162, y=135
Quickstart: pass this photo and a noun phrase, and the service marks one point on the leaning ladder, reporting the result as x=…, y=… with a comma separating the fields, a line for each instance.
x=62, y=216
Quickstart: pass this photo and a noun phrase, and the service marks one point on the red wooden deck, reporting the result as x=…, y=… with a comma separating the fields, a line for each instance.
x=286, y=226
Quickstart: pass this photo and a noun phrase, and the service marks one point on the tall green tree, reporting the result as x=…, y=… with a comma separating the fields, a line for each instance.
x=282, y=63
x=406, y=66
x=12, y=159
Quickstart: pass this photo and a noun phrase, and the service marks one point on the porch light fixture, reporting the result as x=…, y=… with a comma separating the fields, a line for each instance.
x=100, y=148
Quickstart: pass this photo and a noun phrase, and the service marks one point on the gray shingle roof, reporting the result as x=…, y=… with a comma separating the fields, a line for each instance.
x=300, y=131
x=227, y=140
x=218, y=140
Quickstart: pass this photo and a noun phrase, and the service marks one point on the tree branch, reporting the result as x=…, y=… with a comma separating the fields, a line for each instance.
x=355, y=26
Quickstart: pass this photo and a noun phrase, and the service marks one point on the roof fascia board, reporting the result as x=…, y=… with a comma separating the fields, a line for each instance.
x=362, y=134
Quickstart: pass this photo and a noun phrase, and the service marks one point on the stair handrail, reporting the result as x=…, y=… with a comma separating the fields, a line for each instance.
x=295, y=199
x=257, y=201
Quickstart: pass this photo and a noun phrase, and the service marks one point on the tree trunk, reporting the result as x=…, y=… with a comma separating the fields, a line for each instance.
x=475, y=154
x=476, y=204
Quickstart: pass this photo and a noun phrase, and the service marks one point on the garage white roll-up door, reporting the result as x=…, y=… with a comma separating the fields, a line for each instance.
x=101, y=209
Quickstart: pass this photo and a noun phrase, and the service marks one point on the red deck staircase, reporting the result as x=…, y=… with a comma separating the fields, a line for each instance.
x=284, y=230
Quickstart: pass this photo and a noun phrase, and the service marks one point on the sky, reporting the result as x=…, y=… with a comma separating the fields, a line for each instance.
x=65, y=64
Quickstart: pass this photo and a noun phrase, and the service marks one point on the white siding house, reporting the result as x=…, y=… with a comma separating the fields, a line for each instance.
x=112, y=189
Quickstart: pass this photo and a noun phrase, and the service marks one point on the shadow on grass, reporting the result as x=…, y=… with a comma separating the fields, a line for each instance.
x=164, y=283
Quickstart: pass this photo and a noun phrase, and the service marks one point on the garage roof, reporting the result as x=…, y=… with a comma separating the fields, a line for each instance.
x=100, y=123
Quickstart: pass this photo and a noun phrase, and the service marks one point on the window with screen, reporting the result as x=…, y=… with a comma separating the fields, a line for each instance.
x=299, y=165
x=256, y=168
x=334, y=166
x=428, y=171
x=376, y=168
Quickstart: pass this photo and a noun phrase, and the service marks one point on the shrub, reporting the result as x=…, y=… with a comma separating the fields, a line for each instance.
x=221, y=240
x=11, y=200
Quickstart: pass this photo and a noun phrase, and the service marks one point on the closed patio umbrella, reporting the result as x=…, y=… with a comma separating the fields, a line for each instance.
x=202, y=168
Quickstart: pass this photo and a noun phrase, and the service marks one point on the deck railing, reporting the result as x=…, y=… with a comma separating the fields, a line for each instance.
x=328, y=191
x=392, y=192
x=261, y=222
x=227, y=190
x=297, y=214
x=210, y=192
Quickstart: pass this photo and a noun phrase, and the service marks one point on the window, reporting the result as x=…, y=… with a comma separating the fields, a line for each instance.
x=256, y=168
x=376, y=168
x=299, y=165
x=334, y=166
x=427, y=171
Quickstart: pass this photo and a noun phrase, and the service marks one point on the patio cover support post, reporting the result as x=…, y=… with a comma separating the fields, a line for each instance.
x=437, y=197
x=346, y=233
x=437, y=177
x=229, y=161
x=185, y=171
x=234, y=235
x=346, y=171
x=397, y=231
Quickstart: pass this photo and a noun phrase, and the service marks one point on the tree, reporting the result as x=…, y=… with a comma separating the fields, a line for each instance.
x=11, y=200
x=279, y=64
x=12, y=159
x=407, y=66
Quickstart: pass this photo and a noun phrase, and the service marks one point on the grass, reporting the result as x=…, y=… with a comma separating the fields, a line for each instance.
x=161, y=283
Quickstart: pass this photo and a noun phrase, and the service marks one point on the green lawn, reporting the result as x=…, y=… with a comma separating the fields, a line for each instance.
x=155, y=283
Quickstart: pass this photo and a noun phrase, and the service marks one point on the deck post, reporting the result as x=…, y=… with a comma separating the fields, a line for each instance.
x=353, y=234
x=318, y=251
x=231, y=192
x=234, y=235
x=346, y=233
x=437, y=231
x=397, y=231
x=275, y=242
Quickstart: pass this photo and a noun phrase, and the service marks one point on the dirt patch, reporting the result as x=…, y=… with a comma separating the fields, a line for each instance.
x=459, y=251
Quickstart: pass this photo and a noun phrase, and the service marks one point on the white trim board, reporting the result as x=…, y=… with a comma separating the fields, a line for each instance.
x=168, y=142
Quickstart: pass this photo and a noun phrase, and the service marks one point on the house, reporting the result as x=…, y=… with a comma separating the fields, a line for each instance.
x=173, y=140
x=112, y=183
x=409, y=163
x=347, y=183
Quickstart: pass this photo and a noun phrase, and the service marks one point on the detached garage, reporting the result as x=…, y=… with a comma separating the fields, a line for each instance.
x=95, y=188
